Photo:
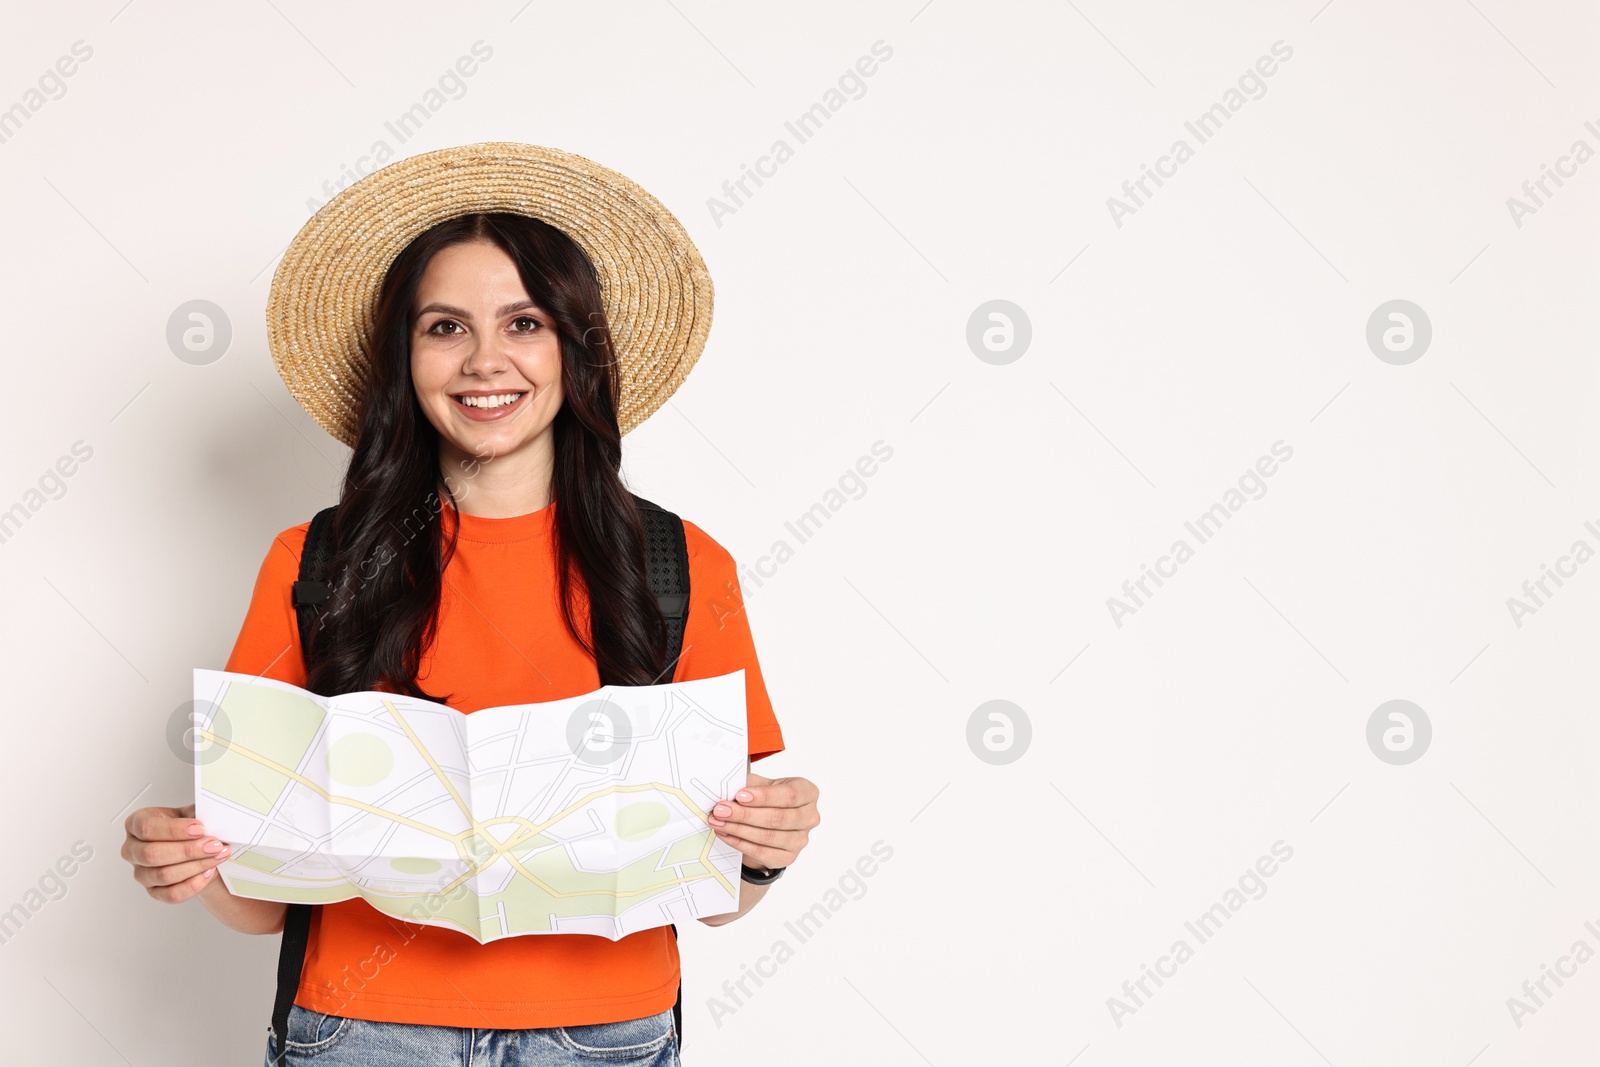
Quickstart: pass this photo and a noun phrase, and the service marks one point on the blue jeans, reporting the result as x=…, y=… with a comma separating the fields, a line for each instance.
x=335, y=1041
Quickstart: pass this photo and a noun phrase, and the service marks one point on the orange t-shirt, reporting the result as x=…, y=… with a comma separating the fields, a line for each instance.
x=501, y=640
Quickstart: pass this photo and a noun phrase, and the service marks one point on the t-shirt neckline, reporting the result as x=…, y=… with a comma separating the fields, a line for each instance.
x=534, y=524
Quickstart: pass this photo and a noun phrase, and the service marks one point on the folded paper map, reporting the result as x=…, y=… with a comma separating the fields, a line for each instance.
x=586, y=815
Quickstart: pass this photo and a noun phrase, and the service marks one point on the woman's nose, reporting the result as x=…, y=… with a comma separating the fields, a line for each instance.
x=484, y=358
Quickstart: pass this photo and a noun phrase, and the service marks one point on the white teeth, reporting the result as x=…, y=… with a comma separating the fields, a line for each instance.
x=497, y=401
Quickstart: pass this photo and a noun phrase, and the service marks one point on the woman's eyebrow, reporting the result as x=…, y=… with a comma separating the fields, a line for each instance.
x=448, y=309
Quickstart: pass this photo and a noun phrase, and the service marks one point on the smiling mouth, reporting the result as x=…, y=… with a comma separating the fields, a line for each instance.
x=489, y=403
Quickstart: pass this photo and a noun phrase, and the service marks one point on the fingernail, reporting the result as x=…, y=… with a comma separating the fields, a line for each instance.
x=717, y=822
x=722, y=810
x=744, y=796
x=196, y=829
x=208, y=872
x=213, y=846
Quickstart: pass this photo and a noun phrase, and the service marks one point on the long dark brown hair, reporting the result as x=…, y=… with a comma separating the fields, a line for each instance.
x=387, y=573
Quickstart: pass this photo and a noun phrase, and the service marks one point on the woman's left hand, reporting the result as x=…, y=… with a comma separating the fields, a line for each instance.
x=769, y=820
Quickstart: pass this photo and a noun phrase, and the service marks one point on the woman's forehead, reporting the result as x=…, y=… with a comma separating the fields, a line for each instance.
x=477, y=277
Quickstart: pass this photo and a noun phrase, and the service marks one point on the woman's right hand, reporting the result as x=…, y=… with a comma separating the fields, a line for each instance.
x=171, y=855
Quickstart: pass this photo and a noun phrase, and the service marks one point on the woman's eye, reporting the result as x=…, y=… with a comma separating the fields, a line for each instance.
x=441, y=322
x=528, y=319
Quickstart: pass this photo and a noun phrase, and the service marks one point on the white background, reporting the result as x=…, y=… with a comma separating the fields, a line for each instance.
x=1168, y=754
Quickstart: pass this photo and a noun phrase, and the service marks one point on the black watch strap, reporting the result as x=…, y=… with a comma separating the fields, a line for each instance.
x=760, y=875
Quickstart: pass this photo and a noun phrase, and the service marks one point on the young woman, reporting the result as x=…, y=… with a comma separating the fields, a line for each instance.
x=488, y=555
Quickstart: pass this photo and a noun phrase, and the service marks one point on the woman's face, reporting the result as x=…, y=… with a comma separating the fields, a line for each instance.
x=485, y=360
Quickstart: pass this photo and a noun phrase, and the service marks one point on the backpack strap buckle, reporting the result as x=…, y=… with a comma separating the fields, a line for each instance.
x=311, y=593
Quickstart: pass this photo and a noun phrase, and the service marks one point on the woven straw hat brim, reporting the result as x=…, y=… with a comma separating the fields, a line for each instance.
x=655, y=286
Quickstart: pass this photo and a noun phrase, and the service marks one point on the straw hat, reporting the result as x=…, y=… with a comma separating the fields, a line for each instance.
x=655, y=286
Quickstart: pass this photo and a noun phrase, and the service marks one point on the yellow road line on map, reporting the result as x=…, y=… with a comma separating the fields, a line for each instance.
x=416, y=743
x=315, y=788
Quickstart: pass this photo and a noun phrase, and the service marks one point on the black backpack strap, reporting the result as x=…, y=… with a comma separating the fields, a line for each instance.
x=291, y=961
x=309, y=593
x=313, y=587
x=666, y=558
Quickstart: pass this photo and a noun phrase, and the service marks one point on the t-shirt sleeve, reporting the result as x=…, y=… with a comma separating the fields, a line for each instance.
x=717, y=638
x=268, y=644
